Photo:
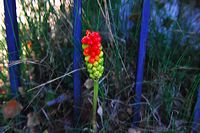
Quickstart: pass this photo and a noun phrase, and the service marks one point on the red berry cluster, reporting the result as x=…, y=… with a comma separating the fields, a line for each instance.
x=93, y=40
x=92, y=50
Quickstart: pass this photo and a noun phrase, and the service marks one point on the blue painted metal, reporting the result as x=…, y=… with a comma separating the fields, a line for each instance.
x=12, y=40
x=141, y=60
x=57, y=100
x=196, y=119
x=77, y=28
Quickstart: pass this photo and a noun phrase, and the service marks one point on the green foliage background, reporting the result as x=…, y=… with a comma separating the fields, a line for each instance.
x=172, y=70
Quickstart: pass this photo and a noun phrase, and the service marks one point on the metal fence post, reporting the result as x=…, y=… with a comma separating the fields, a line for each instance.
x=77, y=28
x=196, y=119
x=141, y=60
x=12, y=40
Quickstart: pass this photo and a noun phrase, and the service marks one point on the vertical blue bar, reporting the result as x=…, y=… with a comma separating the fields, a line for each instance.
x=12, y=40
x=196, y=119
x=141, y=60
x=77, y=28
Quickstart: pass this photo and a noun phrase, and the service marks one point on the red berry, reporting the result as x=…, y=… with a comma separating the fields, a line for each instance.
x=98, y=52
x=95, y=47
x=93, y=53
x=86, y=51
x=93, y=39
x=99, y=45
x=84, y=40
x=99, y=39
x=91, y=60
x=90, y=42
x=96, y=34
x=88, y=32
x=92, y=36
x=97, y=58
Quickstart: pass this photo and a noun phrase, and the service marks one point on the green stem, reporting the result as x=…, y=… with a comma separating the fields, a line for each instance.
x=95, y=97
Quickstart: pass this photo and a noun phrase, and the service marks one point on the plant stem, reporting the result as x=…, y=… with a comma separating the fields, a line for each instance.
x=95, y=97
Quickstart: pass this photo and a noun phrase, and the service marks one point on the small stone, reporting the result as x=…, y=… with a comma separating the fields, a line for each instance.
x=89, y=83
x=132, y=130
x=21, y=91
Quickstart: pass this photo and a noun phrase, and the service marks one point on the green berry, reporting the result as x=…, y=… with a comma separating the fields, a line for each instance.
x=90, y=71
x=100, y=74
x=89, y=65
x=101, y=54
x=92, y=76
x=96, y=74
x=101, y=60
x=94, y=69
x=84, y=46
x=96, y=63
x=101, y=69
x=87, y=58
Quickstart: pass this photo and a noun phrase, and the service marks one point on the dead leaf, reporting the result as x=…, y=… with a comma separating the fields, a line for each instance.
x=33, y=119
x=11, y=109
x=89, y=83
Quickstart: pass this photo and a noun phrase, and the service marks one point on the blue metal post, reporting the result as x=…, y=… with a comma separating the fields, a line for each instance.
x=77, y=28
x=141, y=60
x=12, y=40
x=196, y=119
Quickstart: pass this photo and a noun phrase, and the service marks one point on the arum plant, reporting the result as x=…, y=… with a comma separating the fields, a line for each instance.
x=92, y=51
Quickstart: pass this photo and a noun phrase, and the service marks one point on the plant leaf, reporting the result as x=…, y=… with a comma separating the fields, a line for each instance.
x=11, y=109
